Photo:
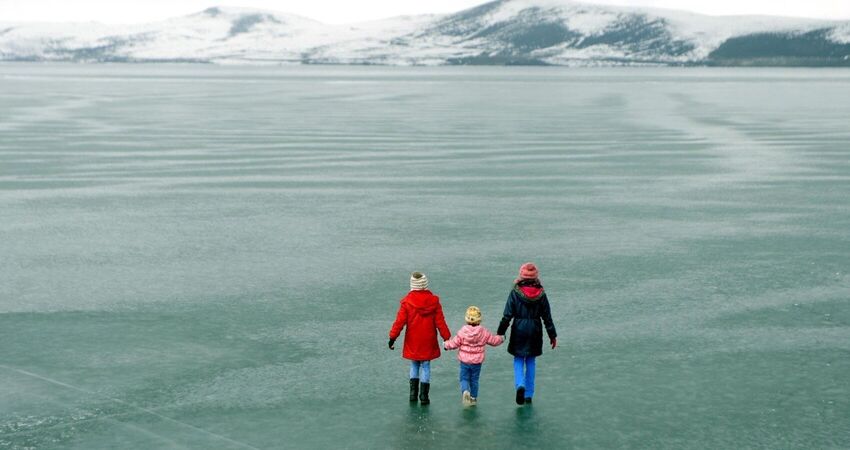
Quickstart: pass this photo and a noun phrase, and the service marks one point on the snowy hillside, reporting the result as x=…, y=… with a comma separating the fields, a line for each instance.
x=559, y=32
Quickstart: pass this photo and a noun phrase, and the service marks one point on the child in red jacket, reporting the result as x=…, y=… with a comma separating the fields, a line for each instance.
x=421, y=313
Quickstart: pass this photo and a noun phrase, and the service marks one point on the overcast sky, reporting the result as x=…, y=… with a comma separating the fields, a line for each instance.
x=344, y=11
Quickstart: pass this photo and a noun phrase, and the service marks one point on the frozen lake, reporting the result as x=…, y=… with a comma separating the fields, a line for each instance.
x=211, y=257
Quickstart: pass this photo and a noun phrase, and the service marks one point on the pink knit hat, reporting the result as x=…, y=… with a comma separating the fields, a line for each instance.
x=527, y=271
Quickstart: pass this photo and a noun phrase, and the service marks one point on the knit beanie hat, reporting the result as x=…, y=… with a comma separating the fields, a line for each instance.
x=418, y=281
x=527, y=271
x=473, y=315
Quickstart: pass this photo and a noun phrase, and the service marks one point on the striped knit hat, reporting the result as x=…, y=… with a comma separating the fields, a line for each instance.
x=473, y=315
x=418, y=281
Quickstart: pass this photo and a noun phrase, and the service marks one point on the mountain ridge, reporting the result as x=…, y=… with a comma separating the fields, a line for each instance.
x=501, y=32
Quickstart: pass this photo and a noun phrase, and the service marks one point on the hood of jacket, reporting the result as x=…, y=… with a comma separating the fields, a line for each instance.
x=529, y=293
x=473, y=335
x=424, y=302
x=471, y=342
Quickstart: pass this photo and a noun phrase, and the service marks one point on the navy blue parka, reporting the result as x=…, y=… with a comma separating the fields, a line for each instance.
x=527, y=314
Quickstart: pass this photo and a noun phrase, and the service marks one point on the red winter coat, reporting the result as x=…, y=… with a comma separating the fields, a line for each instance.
x=421, y=312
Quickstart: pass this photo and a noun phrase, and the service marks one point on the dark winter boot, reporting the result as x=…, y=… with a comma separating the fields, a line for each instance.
x=520, y=395
x=423, y=393
x=414, y=389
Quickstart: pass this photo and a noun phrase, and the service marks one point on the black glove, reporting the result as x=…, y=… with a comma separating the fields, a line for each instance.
x=391, y=344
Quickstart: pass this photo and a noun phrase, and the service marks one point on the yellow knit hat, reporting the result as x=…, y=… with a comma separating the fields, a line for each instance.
x=473, y=315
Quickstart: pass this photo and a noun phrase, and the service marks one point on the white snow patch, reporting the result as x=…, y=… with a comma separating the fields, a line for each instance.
x=708, y=32
x=841, y=34
x=590, y=22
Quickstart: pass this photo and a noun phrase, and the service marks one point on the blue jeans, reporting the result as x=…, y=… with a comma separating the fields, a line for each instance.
x=415, y=366
x=469, y=374
x=524, y=374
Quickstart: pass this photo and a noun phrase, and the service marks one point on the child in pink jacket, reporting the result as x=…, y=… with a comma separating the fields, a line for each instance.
x=470, y=341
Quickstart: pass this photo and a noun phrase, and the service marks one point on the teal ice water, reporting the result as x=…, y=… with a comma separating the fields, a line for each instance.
x=211, y=257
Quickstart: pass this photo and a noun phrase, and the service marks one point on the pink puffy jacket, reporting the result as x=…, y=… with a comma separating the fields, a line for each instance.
x=471, y=340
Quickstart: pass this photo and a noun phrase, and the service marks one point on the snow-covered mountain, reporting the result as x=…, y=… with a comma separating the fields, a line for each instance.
x=558, y=32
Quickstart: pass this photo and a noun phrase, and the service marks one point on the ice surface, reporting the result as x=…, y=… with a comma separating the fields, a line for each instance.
x=210, y=257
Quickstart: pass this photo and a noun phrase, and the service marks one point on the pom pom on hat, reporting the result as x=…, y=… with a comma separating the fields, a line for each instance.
x=527, y=271
x=418, y=281
x=473, y=315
